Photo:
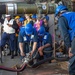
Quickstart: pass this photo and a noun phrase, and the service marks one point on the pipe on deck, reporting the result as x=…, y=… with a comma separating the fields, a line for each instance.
x=20, y=8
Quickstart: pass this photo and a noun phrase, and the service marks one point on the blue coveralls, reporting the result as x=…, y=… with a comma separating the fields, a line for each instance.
x=67, y=26
x=8, y=38
x=45, y=40
x=27, y=40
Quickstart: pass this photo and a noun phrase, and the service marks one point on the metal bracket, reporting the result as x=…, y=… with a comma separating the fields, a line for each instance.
x=12, y=8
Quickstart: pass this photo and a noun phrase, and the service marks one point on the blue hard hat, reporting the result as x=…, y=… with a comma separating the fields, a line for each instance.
x=29, y=28
x=41, y=31
x=59, y=9
x=21, y=19
x=47, y=18
x=34, y=16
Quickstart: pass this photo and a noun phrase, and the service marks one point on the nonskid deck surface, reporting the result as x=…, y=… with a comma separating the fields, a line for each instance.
x=44, y=69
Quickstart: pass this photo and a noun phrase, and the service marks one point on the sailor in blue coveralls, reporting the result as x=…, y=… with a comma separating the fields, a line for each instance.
x=66, y=22
x=27, y=39
x=44, y=43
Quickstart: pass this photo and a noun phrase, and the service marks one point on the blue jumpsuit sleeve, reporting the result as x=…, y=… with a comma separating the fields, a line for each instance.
x=63, y=26
x=49, y=40
x=35, y=36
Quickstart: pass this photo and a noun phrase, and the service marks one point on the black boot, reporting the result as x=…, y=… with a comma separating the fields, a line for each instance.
x=1, y=49
x=41, y=58
x=9, y=53
x=16, y=54
x=12, y=54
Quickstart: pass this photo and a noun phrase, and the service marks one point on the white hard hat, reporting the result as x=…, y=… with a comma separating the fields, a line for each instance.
x=7, y=15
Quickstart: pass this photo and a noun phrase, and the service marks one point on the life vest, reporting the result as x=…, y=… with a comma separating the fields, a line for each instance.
x=70, y=16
